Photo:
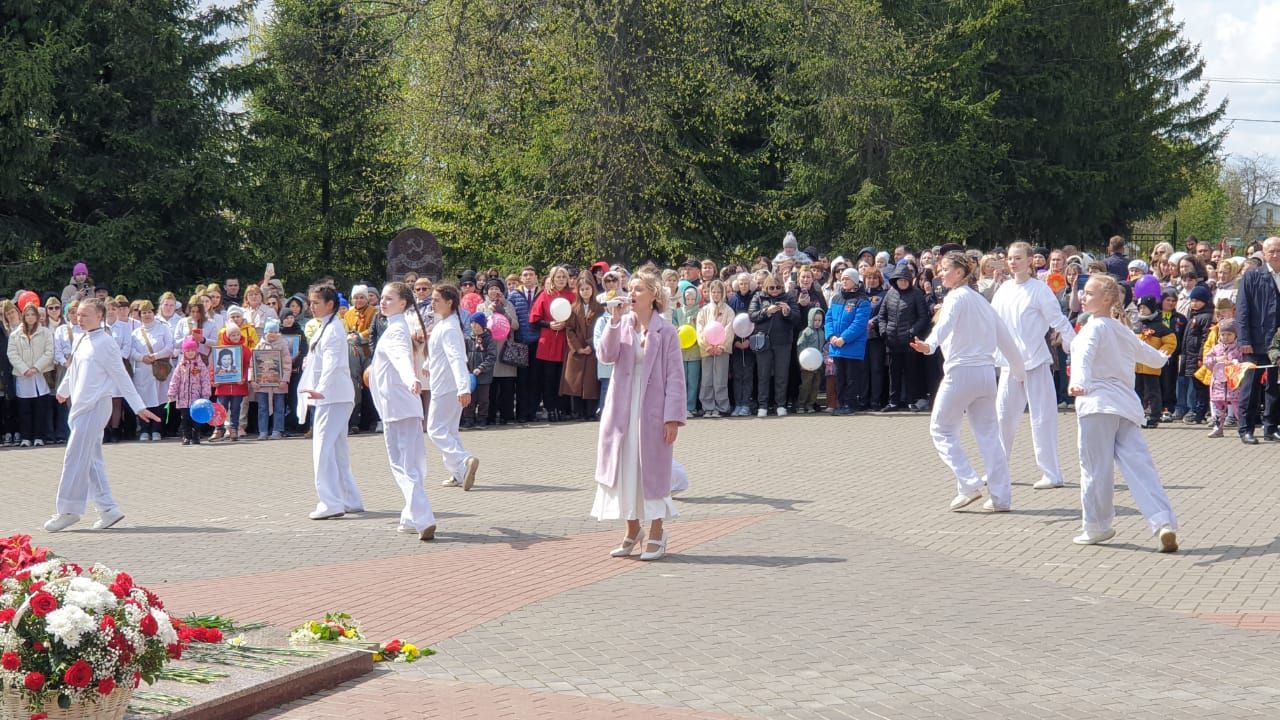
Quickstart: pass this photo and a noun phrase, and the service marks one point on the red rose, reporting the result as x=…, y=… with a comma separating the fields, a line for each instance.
x=36, y=586
x=124, y=581
x=34, y=681
x=40, y=716
x=6, y=615
x=392, y=647
x=37, y=646
x=107, y=686
x=10, y=661
x=79, y=675
x=42, y=603
x=149, y=626
x=108, y=623
x=174, y=651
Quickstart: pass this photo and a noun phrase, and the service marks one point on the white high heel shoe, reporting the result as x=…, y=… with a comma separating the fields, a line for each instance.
x=656, y=554
x=628, y=545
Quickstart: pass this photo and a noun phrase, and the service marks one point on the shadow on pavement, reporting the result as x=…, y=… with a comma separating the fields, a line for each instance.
x=781, y=561
x=515, y=487
x=516, y=539
x=739, y=498
x=1071, y=514
x=156, y=530
x=1227, y=553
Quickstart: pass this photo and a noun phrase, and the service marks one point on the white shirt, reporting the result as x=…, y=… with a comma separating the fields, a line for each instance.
x=1029, y=309
x=63, y=341
x=969, y=331
x=393, y=372
x=122, y=331
x=327, y=369
x=447, y=358
x=96, y=373
x=1103, y=357
x=209, y=333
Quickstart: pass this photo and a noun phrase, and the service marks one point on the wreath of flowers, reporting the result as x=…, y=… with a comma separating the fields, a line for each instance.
x=73, y=633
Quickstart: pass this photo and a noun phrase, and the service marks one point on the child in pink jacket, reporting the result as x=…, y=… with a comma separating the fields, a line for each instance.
x=188, y=383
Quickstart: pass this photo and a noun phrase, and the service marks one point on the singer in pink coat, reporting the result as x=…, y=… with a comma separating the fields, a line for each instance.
x=643, y=412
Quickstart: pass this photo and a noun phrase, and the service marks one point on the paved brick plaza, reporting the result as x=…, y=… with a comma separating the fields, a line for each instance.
x=816, y=574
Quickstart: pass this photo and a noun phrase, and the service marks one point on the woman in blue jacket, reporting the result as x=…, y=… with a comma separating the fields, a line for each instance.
x=847, y=332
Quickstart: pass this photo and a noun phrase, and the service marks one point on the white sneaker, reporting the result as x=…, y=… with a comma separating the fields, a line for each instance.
x=990, y=506
x=324, y=515
x=1090, y=538
x=38, y=442
x=108, y=518
x=473, y=464
x=762, y=413
x=1045, y=483
x=1168, y=539
x=61, y=522
x=25, y=443
x=406, y=529
x=963, y=500
x=451, y=482
x=782, y=412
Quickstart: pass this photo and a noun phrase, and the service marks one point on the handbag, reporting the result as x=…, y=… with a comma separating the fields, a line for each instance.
x=515, y=354
x=759, y=341
x=161, y=367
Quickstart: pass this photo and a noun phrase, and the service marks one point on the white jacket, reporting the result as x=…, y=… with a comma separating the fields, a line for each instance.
x=447, y=358
x=96, y=373
x=969, y=332
x=1029, y=309
x=327, y=369
x=393, y=373
x=1103, y=356
x=30, y=352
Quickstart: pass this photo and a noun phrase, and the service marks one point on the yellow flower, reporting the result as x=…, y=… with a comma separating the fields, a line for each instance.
x=349, y=633
x=411, y=652
x=236, y=641
x=377, y=657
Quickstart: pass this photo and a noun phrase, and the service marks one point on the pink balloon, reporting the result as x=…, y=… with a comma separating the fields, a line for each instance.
x=500, y=326
x=713, y=333
x=471, y=301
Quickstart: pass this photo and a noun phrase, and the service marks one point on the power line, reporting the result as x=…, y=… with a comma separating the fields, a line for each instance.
x=1244, y=81
x=1252, y=120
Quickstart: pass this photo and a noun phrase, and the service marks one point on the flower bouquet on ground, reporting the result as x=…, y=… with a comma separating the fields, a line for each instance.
x=75, y=643
x=342, y=628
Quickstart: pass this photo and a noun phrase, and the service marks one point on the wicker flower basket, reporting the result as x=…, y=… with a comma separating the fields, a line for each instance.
x=13, y=706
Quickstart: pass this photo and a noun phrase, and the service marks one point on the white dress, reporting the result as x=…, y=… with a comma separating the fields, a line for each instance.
x=625, y=500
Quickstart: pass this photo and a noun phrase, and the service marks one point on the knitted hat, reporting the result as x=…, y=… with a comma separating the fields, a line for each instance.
x=272, y=326
x=80, y=269
x=480, y=319
x=789, y=240
x=235, y=310
x=190, y=345
x=1147, y=303
x=1227, y=326
x=467, y=276
x=1201, y=293
x=1139, y=265
x=496, y=282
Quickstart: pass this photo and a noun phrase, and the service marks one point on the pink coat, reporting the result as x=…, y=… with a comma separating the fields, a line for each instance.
x=662, y=401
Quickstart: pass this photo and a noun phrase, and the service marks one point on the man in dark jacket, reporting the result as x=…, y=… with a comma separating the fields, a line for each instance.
x=903, y=314
x=1257, y=312
x=1117, y=262
x=522, y=299
x=776, y=319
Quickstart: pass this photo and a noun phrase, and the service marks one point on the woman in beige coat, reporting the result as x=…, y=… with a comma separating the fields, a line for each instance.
x=31, y=354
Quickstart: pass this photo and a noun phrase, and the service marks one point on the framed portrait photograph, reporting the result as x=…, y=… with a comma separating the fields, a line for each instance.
x=295, y=344
x=268, y=366
x=228, y=364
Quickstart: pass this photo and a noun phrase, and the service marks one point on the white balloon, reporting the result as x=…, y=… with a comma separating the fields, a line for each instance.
x=560, y=310
x=742, y=325
x=810, y=359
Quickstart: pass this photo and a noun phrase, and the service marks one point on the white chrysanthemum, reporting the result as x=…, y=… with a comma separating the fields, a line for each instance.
x=90, y=595
x=167, y=634
x=39, y=570
x=303, y=635
x=68, y=624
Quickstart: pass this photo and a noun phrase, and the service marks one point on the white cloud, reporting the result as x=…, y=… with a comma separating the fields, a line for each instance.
x=1238, y=40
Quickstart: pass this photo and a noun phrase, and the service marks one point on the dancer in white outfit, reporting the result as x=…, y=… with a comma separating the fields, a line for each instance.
x=325, y=384
x=393, y=383
x=93, y=378
x=963, y=330
x=450, y=387
x=1027, y=306
x=1110, y=418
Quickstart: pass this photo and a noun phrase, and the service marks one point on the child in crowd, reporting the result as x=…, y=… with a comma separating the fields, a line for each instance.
x=1108, y=414
x=1225, y=352
x=813, y=336
x=190, y=382
x=1174, y=386
x=272, y=392
x=686, y=313
x=1199, y=323
x=231, y=395
x=482, y=357
x=1155, y=333
x=714, y=390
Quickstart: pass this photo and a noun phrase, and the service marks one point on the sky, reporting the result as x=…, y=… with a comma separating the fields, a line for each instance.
x=1239, y=40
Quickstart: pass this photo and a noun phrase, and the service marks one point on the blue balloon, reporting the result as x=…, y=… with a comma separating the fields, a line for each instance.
x=201, y=411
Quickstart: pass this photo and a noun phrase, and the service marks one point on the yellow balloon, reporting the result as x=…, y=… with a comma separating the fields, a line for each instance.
x=688, y=336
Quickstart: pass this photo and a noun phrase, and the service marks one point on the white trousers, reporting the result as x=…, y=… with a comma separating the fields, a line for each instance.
x=1012, y=397
x=679, y=476
x=335, y=483
x=84, y=472
x=1104, y=441
x=407, y=452
x=442, y=427
x=971, y=391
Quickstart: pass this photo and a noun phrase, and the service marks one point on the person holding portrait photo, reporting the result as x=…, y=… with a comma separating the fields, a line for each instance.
x=272, y=365
x=231, y=358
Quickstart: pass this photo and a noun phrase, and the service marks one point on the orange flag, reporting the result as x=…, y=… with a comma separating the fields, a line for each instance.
x=1235, y=373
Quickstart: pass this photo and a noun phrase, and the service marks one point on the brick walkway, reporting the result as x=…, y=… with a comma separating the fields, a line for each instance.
x=815, y=574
